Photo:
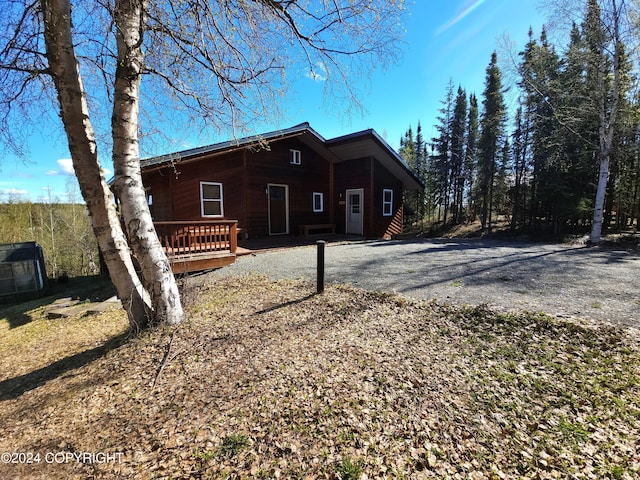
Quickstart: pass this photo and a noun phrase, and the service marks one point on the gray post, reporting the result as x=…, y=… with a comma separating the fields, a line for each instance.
x=320, y=266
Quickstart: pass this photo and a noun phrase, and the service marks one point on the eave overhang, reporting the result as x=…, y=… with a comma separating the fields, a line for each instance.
x=368, y=143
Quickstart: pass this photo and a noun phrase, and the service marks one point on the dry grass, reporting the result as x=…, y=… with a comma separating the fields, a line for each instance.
x=266, y=380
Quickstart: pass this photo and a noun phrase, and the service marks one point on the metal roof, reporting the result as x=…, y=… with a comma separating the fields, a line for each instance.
x=366, y=143
x=18, y=252
x=244, y=142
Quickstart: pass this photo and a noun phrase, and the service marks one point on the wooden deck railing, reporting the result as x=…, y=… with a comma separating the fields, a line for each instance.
x=194, y=237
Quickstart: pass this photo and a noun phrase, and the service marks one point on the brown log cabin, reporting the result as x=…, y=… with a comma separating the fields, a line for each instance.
x=285, y=182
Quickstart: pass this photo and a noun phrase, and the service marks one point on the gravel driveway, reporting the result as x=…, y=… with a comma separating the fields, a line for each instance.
x=559, y=279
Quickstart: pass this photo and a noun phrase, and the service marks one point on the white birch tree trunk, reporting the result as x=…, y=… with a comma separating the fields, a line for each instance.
x=156, y=270
x=63, y=66
x=601, y=192
x=607, y=117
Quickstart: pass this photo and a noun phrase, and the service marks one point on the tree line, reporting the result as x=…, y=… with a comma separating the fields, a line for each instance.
x=62, y=229
x=566, y=159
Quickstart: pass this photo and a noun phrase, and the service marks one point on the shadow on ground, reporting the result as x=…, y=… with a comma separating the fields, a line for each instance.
x=84, y=289
x=12, y=388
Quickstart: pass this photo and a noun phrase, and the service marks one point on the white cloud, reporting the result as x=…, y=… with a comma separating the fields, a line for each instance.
x=13, y=192
x=318, y=74
x=66, y=165
x=467, y=8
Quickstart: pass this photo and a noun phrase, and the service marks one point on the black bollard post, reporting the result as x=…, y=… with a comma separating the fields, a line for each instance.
x=320, y=266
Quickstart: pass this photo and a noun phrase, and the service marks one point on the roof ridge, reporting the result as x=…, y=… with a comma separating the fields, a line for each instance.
x=227, y=144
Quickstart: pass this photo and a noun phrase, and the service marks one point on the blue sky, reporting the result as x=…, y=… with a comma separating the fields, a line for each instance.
x=445, y=40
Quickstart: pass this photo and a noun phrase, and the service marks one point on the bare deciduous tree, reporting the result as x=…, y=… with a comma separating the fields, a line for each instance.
x=223, y=63
x=606, y=46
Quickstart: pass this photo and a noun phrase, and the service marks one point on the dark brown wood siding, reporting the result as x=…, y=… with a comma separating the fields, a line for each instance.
x=353, y=174
x=274, y=167
x=184, y=182
x=369, y=175
x=386, y=226
x=176, y=189
x=158, y=186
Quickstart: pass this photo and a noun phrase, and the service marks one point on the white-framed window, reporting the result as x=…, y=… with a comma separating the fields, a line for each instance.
x=387, y=202
x=211, y=199
x=318, y=202
x=296, y=157
x=149, y=196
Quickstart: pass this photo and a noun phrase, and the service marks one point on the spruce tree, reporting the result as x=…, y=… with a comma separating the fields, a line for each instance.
x=539, y=82
x=458, y=127
x=407, y=151
x=520, y=138
x=501, y=187
x=441, y=162
x=470, y=155
x=579, y=131
x=421, y=171
x=492, y=126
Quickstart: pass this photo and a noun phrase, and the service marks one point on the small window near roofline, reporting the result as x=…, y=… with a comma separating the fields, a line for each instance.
x=387, y=202
x=318, y=202
x=296, y=157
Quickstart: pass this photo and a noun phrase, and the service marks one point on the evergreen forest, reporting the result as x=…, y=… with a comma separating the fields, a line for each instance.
x=537, y=166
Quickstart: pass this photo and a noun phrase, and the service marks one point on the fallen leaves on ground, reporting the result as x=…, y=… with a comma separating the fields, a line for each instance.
x=267, y=380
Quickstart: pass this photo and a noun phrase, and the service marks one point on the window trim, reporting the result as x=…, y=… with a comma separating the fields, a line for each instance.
x=387, y=206
x=203, y=200
x=296, y=157
x=149, y=195
x=319, y=195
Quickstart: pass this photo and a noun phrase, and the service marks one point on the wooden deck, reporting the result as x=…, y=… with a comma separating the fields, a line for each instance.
x=193, y=246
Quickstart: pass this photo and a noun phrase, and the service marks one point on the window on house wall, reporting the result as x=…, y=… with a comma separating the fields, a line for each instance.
x=211, y=200
x=318, y=202
x=149, y=196
x=296, y=157
x=387, y=202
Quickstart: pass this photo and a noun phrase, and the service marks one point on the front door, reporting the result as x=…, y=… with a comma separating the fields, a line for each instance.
x=278, y=209
x=355, y=215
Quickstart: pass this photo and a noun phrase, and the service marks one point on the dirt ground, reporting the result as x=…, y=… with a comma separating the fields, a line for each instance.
x=565, y=280
x=267, y=380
